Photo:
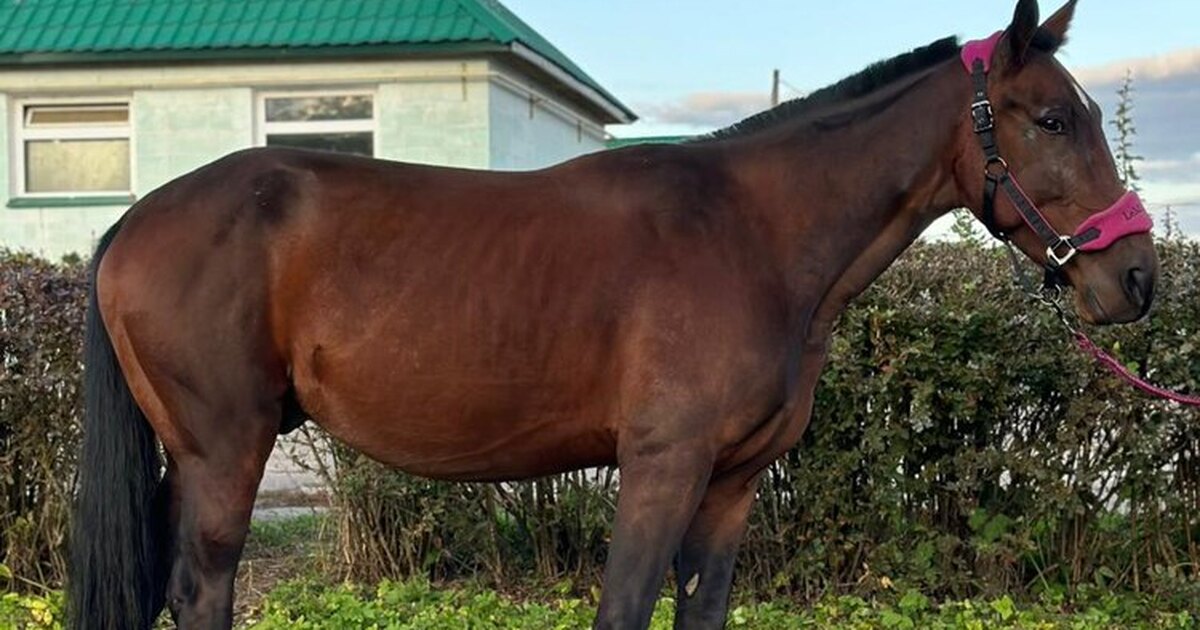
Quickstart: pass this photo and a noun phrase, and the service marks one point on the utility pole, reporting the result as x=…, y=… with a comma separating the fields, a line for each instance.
x=775, y=88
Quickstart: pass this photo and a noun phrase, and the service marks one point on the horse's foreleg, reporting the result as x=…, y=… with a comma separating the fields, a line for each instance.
x=659, y=493
x=216, y=496
x=704, y=567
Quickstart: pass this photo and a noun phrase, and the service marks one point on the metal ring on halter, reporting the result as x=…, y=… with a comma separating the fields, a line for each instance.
x=995, y=161
x=1052, y=254
x=1053, y=299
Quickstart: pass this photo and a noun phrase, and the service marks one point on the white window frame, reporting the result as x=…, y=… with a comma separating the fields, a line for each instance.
x=316, y=127
x=68, y=131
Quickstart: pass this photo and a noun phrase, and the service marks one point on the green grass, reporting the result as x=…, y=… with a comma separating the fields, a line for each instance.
x=417, y=605
x=285, y=536
x=313, y=603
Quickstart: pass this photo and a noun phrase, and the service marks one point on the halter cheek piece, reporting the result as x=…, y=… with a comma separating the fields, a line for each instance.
x=1124, y=218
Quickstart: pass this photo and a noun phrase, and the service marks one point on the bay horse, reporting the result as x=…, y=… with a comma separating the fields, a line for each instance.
x=664, y=309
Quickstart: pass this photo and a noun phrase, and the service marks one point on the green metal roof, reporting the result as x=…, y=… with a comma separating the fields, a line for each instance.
x=58, y=31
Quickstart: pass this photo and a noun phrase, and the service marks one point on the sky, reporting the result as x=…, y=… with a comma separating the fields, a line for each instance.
x=696, y=65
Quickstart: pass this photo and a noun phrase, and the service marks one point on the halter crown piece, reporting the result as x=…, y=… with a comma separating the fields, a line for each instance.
x=1124, y=218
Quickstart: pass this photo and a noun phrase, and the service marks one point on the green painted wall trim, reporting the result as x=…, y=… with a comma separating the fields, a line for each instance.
x=70, y=202
x=617, y=143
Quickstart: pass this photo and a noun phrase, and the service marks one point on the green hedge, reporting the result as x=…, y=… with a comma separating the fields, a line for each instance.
x=960, y=446
x=41, y=338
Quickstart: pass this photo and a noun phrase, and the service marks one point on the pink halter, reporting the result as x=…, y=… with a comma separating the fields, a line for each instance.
x=1126, y=217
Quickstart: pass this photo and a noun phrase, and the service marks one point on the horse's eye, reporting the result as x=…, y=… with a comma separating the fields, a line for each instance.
x=1052, y=126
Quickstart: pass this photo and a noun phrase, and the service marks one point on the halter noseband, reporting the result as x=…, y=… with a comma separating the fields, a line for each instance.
x=1124, y=218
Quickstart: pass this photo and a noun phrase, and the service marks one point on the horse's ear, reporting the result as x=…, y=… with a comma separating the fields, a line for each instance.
x=1022, y=31
x=1060, y=22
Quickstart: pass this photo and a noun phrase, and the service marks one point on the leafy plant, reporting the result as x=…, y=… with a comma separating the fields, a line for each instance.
x=415, y=604
x=1126, y=129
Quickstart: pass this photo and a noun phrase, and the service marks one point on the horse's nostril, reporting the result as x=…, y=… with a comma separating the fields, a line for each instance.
x=1139, y=286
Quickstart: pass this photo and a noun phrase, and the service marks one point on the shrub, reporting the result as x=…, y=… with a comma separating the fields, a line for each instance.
x=41, y=336
x=960, y=444
x=393, y=524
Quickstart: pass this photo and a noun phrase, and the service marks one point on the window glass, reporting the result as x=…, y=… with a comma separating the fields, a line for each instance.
x=73, y=148
x=314, y=108
x=355, y=143
x=70, y=166
x=75, y=115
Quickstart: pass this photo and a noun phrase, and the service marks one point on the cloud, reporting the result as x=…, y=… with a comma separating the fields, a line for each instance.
x=1156, y=68
x=706, y=109
x=1166, y=92
x=1174, y=194
x=1172, y=170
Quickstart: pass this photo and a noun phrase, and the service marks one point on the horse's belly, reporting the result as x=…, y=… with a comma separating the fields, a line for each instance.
x=465, y=429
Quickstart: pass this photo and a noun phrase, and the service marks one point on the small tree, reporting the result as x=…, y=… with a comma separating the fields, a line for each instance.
x=1123, y=122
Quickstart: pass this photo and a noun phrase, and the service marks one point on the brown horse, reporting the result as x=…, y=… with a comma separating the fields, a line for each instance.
x=666, y=309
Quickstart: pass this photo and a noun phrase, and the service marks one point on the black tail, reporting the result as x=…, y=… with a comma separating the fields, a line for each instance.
x=112, y=578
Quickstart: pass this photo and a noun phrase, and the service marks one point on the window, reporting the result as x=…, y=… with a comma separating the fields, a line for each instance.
x=341, y=122
x=72, y=148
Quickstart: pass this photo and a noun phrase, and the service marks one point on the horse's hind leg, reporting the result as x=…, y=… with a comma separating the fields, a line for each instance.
x=218, y=427
x=216, y=489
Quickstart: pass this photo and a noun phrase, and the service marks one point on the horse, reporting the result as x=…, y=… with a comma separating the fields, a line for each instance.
x=665, y=309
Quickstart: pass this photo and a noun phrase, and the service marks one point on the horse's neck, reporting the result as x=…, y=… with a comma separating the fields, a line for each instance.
x=843, y=195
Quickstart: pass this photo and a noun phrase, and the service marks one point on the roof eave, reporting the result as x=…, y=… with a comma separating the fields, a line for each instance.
x=616, y=111
x=19, y=60
x=605, y=104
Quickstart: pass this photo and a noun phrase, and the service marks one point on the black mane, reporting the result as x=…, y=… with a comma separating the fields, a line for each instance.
x=872, y=78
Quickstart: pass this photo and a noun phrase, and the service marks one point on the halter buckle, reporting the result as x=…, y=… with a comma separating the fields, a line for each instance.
x=982, y=117
x=1052, y=251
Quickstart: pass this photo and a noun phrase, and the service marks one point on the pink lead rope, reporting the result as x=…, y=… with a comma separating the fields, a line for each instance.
x=1089, y=347
x=1110, y=362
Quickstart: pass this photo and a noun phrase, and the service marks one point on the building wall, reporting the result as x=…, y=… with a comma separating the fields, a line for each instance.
x=177, y=131
x=434, y=121
x=472, y=114
x=53, y=232
x=530, y=133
